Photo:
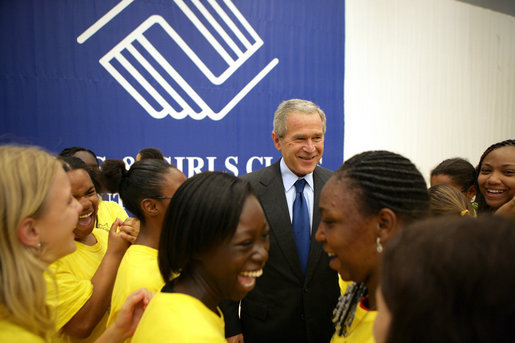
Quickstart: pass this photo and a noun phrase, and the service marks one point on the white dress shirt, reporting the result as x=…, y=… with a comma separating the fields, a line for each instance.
x=289, y=179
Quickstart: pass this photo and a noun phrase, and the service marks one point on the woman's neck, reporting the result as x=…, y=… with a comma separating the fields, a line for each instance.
x=148, y=236
x=196, y=286
x=372, y=284
x=88, y=240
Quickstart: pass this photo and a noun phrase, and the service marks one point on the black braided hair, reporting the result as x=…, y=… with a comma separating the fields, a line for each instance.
x=387, y=180
x=482, y=206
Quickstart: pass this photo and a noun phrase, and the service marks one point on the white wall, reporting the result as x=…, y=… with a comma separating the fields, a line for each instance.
x=429, y=79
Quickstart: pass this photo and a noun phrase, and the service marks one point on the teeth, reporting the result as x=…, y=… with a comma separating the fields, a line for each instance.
x=86, y=215
x=495, y=191
x=254, y=273
x=331, y=254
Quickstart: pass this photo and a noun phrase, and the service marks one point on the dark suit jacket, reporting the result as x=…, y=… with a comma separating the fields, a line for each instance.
x=286, y=305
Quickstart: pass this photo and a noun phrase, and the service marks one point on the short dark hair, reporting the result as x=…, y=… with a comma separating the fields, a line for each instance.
x=387, y=180
x=144, y=179
x=204, y=212
x=460, y=171
x=151, y=153
x=69, y=152
x=73, y=163
x=451, y=280
x=482, y=206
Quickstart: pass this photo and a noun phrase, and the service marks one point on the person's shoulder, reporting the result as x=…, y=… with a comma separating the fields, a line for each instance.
x=111, y=207
x=323, y=173
x=262, y=173
x=10, y=332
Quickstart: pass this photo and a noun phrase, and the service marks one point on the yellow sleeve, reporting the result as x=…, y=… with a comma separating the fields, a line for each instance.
x=66, y=294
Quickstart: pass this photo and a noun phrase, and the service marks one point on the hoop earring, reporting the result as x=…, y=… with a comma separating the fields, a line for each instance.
x=379, y=245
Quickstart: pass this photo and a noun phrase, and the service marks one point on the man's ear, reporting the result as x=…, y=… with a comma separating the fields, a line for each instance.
x=149, y=207
x=388, y=224
x=277, y=141
x=28, y=233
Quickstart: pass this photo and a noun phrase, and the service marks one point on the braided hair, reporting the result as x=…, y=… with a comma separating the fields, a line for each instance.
x=387, y=180
x=382, y=179
x=482, y=206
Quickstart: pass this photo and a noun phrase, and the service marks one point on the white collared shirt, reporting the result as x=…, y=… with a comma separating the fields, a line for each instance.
x=289, y=179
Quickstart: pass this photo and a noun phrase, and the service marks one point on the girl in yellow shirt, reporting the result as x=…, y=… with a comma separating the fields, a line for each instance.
x=84, y=280
x=145, y=189
x=216, y=236
x=37, y=217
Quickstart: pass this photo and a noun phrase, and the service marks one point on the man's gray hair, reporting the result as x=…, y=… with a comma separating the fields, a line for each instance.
x=294, y=105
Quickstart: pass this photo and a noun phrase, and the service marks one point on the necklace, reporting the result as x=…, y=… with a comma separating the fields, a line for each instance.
x=345, y=311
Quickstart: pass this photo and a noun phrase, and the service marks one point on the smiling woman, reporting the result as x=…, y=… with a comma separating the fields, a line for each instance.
x=496, y=179
x=366, y=201
x=84, y=280
x=37, y=217
x=216, y=236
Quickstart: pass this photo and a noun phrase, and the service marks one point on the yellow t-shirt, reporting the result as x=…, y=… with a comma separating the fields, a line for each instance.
x=107, y=213
x=343, y=284
x=179, y=318
x=138, y=269
x=12, y=333
x=73, y=274
x=361, y=328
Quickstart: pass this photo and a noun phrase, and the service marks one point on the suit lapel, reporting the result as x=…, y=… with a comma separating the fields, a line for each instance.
x=316, y=248
x=274, y=203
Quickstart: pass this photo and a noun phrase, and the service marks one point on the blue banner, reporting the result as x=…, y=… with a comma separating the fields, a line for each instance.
x=199, y=80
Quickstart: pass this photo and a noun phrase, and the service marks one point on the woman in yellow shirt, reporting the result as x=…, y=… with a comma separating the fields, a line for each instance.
x=37, y=217
x=84, y=280
x=216, y=236
x=145, y=189
x=366, y=201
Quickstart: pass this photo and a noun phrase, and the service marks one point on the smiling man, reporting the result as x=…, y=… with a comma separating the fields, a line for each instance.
x=294, y=299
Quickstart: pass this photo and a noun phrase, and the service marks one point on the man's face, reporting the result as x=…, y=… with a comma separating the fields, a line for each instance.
x=303, y=143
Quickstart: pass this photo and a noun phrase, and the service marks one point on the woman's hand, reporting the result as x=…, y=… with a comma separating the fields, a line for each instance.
x=128, y=317
x=130, y=229
x=236, y=339
x=118, y=241
x=507, y=210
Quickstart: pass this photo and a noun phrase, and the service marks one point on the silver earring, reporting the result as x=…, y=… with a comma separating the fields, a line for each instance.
x=38, y=246
x=379, y=245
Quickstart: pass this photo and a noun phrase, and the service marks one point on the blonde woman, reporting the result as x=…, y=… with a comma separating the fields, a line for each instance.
x=445, y=200
x=37, y=217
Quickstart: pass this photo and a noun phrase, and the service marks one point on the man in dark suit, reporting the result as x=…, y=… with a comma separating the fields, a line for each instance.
x=294, y=298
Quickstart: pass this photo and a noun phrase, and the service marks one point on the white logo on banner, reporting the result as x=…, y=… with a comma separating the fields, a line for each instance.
x=214, y=15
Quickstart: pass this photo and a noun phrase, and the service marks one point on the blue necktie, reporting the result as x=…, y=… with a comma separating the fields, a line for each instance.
x=300, y=223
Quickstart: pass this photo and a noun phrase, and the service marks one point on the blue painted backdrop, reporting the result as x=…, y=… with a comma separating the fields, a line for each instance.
x=198, y=80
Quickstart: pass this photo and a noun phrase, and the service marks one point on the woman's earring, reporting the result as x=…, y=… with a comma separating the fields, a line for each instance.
x=379, y=245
